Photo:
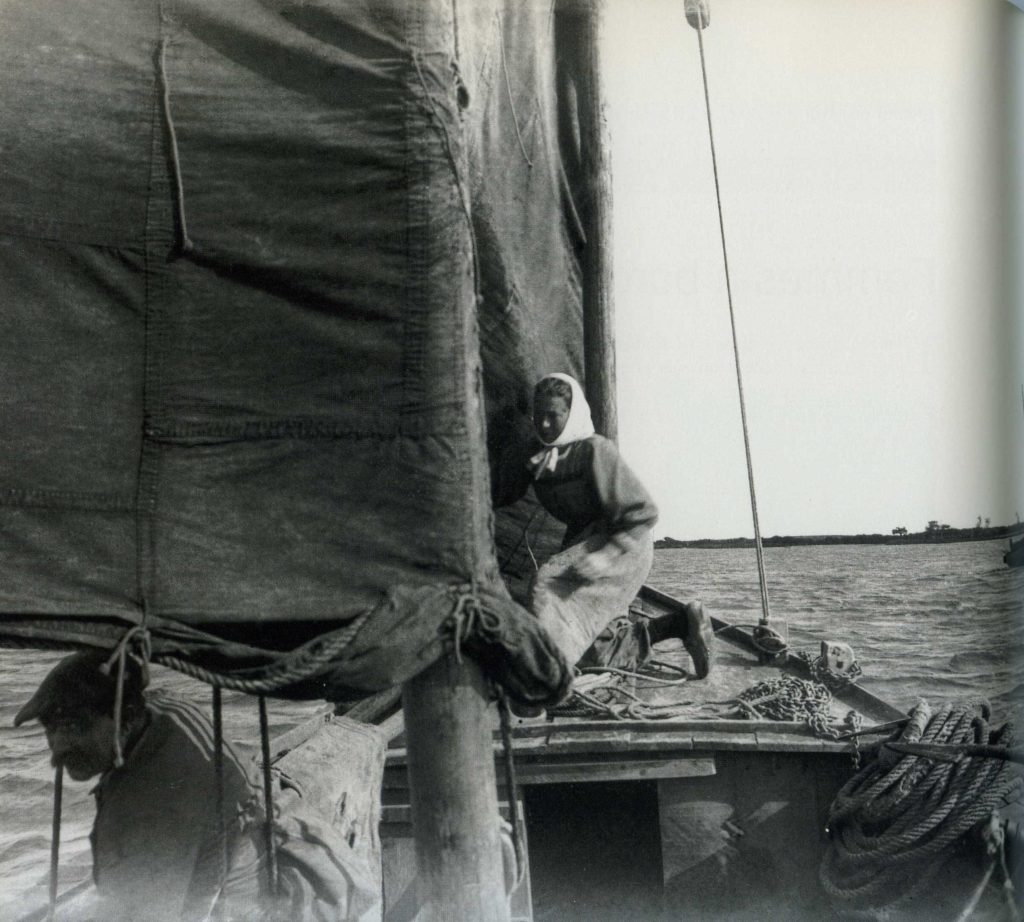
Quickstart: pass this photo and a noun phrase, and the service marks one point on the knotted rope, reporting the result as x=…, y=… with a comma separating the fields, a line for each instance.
x=894, y=824
x=139, y=638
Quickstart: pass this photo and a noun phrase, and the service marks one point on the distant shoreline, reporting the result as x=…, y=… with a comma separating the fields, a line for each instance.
x=935, y=536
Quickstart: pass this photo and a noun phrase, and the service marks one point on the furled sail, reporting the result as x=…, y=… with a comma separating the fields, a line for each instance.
x=248, y=256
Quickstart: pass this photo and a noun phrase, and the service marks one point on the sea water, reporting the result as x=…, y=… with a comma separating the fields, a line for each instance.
x=940, y=622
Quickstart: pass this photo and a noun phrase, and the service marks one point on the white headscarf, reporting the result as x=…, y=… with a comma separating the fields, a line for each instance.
x=578, y=426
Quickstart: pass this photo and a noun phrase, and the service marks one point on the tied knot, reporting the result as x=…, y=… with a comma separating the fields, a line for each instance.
x=136, y=643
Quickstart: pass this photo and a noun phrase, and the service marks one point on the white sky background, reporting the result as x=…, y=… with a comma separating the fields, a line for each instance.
x=865, y=178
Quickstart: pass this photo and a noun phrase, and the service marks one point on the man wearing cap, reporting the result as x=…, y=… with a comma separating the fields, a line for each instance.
x=157, y=849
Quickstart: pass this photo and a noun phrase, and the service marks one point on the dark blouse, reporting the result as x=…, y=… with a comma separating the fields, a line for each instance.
x=592, y=485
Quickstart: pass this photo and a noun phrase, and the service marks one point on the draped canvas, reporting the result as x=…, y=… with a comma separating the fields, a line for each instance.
x=247, y=255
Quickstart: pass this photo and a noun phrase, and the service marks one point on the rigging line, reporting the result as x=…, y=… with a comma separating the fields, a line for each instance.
x=184, y=242
x=511, y=784
x=508, y=90
x=58, y=798
x=218, y=770
x=766, y=614
x=268, y=798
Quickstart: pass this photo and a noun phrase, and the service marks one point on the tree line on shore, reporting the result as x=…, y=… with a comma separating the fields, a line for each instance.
x=934, y=533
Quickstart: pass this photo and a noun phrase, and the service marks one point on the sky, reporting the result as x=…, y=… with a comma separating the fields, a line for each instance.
x=867, y=153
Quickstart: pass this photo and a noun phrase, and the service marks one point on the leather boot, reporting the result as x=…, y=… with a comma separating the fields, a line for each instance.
x=699, y=639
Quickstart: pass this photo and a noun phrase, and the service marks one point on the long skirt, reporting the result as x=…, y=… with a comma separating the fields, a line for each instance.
x=589, y=619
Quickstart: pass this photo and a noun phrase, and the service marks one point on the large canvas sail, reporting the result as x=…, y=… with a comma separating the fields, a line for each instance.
x=248, y=255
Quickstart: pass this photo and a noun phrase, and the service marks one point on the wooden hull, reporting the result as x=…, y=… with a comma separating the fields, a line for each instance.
x=702, y=814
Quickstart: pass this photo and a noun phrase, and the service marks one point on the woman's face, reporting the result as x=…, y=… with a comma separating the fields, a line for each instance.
x=549, y=417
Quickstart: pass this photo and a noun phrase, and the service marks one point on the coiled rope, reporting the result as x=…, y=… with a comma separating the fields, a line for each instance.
x=894, y=824
x=785, y=698
x=617, y=702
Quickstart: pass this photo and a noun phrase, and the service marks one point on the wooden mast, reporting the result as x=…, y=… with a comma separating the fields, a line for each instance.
x=450, y=753
x=454, y=795
x=581, y=38
x=450, y=763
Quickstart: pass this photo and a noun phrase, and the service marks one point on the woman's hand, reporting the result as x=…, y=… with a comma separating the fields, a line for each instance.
x=594, y=565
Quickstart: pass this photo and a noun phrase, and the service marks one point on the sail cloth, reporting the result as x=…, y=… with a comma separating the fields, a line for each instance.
x=247, y=255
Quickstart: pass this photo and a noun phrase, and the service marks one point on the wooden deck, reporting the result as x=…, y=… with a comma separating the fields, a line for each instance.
x=693, y=807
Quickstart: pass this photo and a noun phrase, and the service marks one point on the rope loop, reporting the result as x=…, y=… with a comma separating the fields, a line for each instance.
x=139, y=638
x=511, y=784
x=469, y=617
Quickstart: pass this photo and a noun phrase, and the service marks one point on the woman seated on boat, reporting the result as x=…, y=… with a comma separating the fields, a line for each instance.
x=582, y=594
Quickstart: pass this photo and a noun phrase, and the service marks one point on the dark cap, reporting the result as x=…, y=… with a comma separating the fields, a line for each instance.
x=78, y=684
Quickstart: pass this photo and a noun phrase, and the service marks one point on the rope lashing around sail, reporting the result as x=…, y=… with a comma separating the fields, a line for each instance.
x=469, y=616
x=894, y=824
x=301, y=663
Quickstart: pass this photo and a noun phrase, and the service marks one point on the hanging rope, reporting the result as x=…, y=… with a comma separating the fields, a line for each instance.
x=218, y=770
x=508, y=91
x=58, y=800
x=184, y=242
x=701, y=21
x=511, y=785
x=139, y=638
x=268, y=797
